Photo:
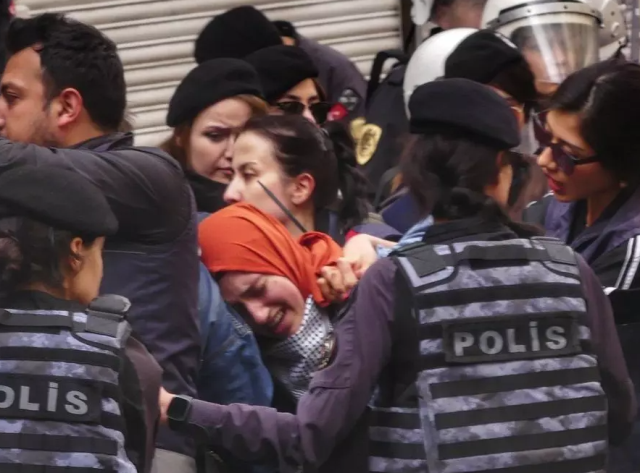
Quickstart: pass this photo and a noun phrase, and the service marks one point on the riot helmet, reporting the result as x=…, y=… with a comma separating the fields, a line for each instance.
x=427, y=62
x=557, y=38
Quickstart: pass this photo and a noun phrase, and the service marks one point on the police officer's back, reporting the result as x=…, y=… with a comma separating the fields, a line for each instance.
x=77, y=393
x=505, y=353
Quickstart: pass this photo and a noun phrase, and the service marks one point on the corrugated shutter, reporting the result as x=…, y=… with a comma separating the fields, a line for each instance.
x=155, y=39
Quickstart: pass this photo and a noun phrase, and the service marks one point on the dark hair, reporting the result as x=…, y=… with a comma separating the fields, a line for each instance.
x=607, y=97
x=301, y=147
x=75, y=55
x=286, y=29
x=446, y=173
x=33, y=252
x=518, y=81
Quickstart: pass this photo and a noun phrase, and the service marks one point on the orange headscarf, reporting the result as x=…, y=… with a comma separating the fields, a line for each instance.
x=242, y=238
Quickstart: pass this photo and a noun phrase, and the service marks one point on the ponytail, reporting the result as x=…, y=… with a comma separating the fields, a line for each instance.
x=354, y=206
x=446, y=174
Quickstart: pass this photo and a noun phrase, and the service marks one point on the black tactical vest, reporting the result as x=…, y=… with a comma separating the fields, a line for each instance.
x=60, y=397
x=494, y=370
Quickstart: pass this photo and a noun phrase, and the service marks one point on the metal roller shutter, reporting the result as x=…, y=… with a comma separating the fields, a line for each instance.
x=155, y=39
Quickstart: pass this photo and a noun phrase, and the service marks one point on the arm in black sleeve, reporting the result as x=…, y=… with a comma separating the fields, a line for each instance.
x=337, y=396
x=613, y=369
x=143, y=186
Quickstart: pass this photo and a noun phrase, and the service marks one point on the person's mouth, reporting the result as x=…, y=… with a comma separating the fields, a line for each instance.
x=226, y=172
x=555, y=186
x=277, y=323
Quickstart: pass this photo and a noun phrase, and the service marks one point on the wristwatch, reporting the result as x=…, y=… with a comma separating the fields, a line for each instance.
x=178, y=411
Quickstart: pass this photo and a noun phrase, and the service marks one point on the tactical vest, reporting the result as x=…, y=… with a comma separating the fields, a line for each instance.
x=495, y=371
x=60, y=398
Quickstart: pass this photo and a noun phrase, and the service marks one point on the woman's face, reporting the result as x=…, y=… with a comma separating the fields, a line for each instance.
x=586, y=179
x=212, y=137
x=305, y=93
x=254, y=160
x=274, y=305
x=82, y=283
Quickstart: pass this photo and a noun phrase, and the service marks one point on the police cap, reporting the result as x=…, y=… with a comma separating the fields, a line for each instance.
x=235, y=33
x=209, y=83
x=466, y=106
x=481, y=57
x=281, y=68
x=58, y=197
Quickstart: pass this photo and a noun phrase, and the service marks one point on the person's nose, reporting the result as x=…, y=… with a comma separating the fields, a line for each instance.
x=232, y=194
x=228, y=150
x=545, y=160
x=308, y=115
x=258, y=311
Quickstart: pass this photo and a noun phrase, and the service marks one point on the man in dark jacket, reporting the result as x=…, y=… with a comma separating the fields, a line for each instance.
x=343, y=83
x=63, y=100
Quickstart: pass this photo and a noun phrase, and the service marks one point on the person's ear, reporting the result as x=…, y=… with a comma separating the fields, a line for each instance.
x=69, y=107
x=75, y=260
x=302, y=187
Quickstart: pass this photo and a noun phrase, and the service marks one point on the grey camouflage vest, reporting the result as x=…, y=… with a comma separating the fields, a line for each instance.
x=60, y=408
x=503, y=378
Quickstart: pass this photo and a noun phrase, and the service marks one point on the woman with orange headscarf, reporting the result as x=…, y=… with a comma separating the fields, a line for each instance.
x=273, y=276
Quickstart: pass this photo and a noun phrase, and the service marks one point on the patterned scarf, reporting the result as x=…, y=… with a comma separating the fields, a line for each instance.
x=294, y=360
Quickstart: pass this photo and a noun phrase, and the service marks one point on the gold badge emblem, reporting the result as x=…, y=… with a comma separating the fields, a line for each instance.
x=368, y=143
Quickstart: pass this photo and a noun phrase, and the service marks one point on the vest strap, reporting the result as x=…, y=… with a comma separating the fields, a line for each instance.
x=105, y=314
x=21, y=468
x=31, y=320
x=59, y=443
x=60, y=355
x=426, y=261
x=580, y=465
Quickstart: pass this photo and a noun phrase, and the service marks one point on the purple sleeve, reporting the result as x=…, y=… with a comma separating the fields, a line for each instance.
x=606, y=345
x=337, y=397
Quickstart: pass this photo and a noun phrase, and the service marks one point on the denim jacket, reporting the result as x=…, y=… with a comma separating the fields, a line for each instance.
x=232, y=370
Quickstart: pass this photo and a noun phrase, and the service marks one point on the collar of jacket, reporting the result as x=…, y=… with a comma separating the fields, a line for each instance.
x=107, y=142
x=209, y=194
x=619, y=222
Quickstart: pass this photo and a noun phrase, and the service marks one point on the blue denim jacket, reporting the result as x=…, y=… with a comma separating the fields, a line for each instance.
x=232, y=370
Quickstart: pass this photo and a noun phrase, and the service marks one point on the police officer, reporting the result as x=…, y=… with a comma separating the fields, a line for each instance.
x=77, y=392
x=490, y=349
x=380, y=137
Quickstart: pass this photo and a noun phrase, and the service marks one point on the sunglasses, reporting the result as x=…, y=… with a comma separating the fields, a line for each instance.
x=565, y=161
x=319, y=110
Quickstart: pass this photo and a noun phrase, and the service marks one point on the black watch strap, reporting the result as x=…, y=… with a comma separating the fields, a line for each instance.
x=178, y=412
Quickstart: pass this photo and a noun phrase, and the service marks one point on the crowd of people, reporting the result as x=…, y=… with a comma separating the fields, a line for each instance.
x=271, y=291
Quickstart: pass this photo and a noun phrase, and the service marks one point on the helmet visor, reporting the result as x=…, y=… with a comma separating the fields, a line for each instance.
x=555, y=45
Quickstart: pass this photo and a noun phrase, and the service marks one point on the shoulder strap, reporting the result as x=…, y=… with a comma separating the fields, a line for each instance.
x=376, y=69
x=106, y=313
x=425, y=260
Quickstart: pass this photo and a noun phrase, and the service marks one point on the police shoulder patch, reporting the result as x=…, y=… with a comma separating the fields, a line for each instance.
x=368, y=143
x=509, y=338
x=349, y=99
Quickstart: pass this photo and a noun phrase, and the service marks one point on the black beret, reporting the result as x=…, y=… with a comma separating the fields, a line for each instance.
x=281, y=68
x=57, y=197
x=236, y=33
x=209, y=83
x=480, y=57
x=466, y=106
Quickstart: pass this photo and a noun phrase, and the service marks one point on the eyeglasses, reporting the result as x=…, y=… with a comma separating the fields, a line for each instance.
x=319, y=110
x=565, y=160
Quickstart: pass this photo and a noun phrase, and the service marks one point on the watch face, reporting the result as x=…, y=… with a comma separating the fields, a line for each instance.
x=178, y=408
